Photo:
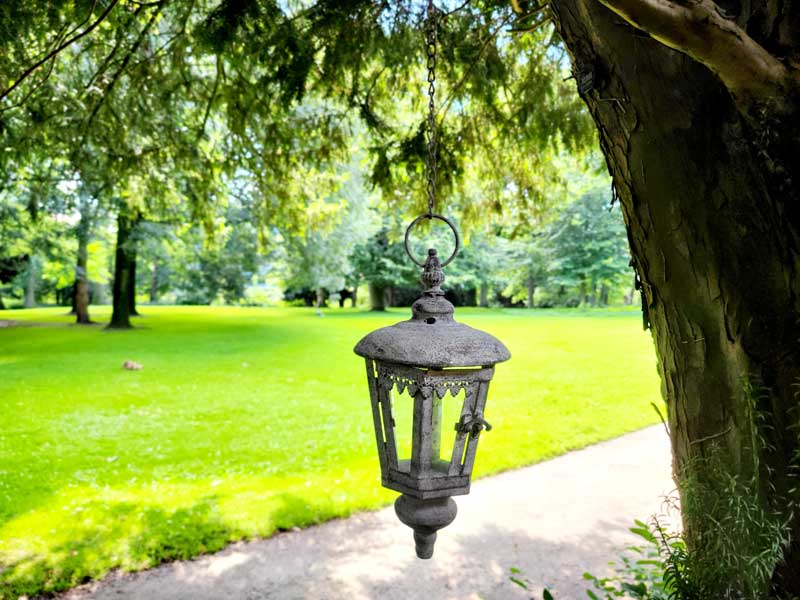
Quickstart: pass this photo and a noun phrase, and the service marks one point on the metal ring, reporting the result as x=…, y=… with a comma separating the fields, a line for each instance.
x=440, y=218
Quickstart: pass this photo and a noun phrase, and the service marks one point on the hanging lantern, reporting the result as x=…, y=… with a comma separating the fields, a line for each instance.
x=429, y=361
x=429, y=366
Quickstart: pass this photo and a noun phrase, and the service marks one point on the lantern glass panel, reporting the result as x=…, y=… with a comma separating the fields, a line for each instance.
x=402, y=409
x=448, y=413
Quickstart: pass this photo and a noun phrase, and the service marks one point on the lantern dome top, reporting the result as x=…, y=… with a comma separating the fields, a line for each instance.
x=432, y=337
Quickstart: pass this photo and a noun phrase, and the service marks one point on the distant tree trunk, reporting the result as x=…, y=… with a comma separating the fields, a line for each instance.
x=531, y=291
x=80, y=296
x=30, y=282
x=354, y=297
x=376, y=297
x=628, y=297
x=483, y=295
x=584, y=294
x=121, y=303
x=154, y=282
x=2, y=304
x=604, y=293
x=389, y=296
x=132, y=288
x=320, y=297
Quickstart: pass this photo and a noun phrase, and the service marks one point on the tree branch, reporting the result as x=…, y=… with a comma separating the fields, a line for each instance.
x=700, y=30
x=96, y=108
x=58, y=49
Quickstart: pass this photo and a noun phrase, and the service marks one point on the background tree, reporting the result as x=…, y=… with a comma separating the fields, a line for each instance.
x=697, y=110
x=529, y=267
x=382, y=263
x=319, y=257
x=589, y=248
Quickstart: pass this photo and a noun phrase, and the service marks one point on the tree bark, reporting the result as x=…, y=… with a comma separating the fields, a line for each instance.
x=604, y=293
x=320, y=303
x=376, y=296
x=81, y=293
x=123, y=281
x=531, y=284
x=483, y=295
x=154, y=282
x=132, y=287
x=30, y=282
x=712, y=211
x=388, y=296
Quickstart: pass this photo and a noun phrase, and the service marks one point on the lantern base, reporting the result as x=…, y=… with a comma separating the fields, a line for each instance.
x=425, y=517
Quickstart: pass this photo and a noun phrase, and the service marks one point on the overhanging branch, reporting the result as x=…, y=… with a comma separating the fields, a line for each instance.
x=700, y=30
x=58, y=49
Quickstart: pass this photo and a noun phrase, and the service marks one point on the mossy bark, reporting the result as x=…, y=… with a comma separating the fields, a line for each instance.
x=709, y=196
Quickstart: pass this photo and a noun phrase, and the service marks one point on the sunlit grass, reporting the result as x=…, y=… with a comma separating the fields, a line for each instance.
x=246, y=421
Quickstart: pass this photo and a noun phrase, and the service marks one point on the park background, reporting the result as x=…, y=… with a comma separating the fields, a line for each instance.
x=191, y=187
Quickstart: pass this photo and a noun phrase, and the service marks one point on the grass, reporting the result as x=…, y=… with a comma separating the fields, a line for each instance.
x=245, y=421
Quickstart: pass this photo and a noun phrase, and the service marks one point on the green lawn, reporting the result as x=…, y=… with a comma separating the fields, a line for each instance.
x=245, y=421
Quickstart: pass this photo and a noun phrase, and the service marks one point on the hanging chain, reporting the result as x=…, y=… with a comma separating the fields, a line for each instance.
x=430, y=133
x=430, y=160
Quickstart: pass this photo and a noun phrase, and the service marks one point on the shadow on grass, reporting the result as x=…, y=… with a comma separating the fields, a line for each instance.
x=160, y=536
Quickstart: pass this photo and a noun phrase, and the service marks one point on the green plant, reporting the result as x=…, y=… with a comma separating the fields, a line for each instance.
x=652, y=569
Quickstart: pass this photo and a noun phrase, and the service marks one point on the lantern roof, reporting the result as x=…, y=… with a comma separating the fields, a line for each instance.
x=432, y=337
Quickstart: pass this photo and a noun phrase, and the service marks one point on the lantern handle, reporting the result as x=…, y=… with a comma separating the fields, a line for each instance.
x=439, y=218
x=472, y=424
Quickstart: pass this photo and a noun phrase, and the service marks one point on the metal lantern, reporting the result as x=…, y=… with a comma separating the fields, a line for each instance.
x=421, y=362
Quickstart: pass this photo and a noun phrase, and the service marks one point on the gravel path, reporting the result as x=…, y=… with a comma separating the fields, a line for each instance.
x=552, y=521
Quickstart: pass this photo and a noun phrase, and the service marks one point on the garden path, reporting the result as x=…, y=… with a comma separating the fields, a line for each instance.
x=552, y=521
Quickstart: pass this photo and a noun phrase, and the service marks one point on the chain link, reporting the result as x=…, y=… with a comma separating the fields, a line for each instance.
x=430, y=133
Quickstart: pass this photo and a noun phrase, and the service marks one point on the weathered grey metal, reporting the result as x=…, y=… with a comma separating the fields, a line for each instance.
x=431, y=216
x=432, y=337
x=422, y=361
x=426, y=475
x=425, y=517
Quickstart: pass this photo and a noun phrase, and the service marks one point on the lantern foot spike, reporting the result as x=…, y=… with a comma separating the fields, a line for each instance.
x=423, y=543
x=425, y=517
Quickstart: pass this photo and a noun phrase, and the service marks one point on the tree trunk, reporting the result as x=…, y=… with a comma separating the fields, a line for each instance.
x=320, y=303
x=154, y=283
x=81, y=288
x=2, y=304
x=376, y=297
x=483, y=295
x=121, y=302
x=132, y=287
x=31, y=279
x=604, y=293
x=354, y=297
x=389, y=296
x=531, y=291
x=713, y=216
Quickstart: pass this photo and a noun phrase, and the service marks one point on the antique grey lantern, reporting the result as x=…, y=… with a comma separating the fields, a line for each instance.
x=428, y=367
x=422, y=361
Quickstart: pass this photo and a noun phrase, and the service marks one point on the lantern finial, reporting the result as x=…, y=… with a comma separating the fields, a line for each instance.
x=432, y=275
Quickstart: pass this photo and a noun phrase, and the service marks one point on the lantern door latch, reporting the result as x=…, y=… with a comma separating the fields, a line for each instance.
x=473, y=424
